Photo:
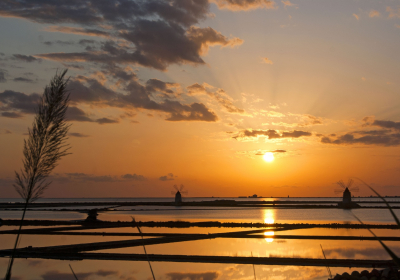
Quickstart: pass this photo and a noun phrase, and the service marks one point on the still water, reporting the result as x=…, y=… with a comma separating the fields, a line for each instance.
x=266, y=247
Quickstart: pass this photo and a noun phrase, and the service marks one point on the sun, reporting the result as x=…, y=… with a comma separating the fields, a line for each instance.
x=268, y=157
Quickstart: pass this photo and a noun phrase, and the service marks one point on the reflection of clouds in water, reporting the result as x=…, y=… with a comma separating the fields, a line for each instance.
x=351, y=253
x=211, y=275
x=241, y=271
x=55, y=274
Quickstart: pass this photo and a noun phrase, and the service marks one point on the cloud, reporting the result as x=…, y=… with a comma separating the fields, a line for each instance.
x=2, y=76
x=271, y=134
x=25, y=58
x=244, y=5
x=134, y=177
x=78, y=31
x=88, y=90
x=393, y=13
x=135, y=96
x=217, y=94
x=77, y=134
x=156, y=44
x=288, y=3
x=58, y=42
x=193, y=275
x=83, y=177
x=388, y=136
x=76, y=114
x=106, y=121
x=356, y=16
x=387, y=124
x=148, y=33
x=167, y=177
x=380, y=139
x=261, y=153
x=373, y=13
x=17, y=101
x=12, y=115
x=22, y=79
x=267, y=61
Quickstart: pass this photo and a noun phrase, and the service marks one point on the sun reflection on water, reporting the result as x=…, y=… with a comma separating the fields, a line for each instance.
x=269, y=218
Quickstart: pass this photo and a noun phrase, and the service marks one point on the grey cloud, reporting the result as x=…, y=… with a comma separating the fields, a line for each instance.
x=158, y=33
x=77, y=134
x=58, y=42
x=353, y=138
x=106, y=121
x=76, y=114
x=154, y=85
x=2, y=76
x=12, y=115
x=89, y=178
x=261, y=153
x=12, y=100
x=271, y=134
x=388, y=135
x=157, y=44
x=387, y=124
x=167, y=177
x=22, y=57
x=134, y=177
x=193, y=275
x=22, y=79
x=137, y=96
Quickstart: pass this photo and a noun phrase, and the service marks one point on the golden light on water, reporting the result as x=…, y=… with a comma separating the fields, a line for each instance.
x=270, y=235
x=269, y=218
x=268, y=157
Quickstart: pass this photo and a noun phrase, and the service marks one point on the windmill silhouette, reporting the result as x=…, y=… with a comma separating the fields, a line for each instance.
x=348, y=188
x=179, y=192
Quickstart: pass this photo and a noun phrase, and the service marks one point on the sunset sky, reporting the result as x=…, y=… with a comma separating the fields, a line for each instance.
x=195, y=92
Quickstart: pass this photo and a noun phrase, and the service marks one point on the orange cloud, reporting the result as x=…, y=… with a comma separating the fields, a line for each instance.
x=244, y=5
x=288, y=3
x=356, y=16
x=374, y=13
x=267, y=61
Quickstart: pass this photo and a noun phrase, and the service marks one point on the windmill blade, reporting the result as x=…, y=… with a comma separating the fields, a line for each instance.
x=176, y=188
x=184, y=192
x=338, y=191
x=354, y=189
x=172, y=192
x=349, y=183
x=341, y=183
x=181, y=188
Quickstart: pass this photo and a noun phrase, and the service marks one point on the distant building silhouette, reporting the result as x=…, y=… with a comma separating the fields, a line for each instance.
x=178, y=197
x=346, y=196
x=346, y=202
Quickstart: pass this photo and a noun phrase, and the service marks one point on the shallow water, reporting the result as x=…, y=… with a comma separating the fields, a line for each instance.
x=265, y=247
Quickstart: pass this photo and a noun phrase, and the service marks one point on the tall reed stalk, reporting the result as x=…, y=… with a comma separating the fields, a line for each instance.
x=45, y=146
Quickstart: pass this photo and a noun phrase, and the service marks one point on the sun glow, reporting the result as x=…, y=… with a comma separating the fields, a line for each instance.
x=268, y=157
x=270, y=235
x=269, y=218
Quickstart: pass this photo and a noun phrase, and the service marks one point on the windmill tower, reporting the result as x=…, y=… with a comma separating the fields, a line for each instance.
x=178, y=194
x=346, y=201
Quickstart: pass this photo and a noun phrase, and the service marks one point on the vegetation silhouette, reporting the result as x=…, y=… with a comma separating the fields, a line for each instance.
x=45, y=146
